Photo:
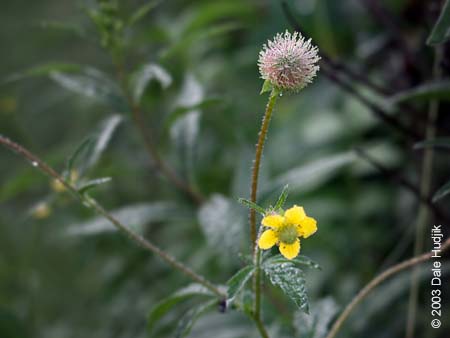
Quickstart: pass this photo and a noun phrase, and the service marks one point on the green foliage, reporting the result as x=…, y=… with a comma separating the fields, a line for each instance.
x=315, y=325
x=290, y=280
x=249, y=204
x=238, y=281
x=165, y=305
x=143, y=76
x=188, y=320
x=282, y=199
x=441, y=30
x=442, y=192
x=441, y=142
x=425, y=92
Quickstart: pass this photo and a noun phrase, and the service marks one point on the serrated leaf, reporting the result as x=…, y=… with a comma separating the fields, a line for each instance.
x=442, y=192
x=134, y=216
x=441, y=142
x=301, y=260
x=92, y=83
x=188, y=320
x=290, y=280
x=441, y=30
x=266, y=87
x=165, y=305
x=282, y=199
x=424, y=92
x=144, y=75
x=237, y=282
x=249, y=204
x=86, y=186
x=142, y=11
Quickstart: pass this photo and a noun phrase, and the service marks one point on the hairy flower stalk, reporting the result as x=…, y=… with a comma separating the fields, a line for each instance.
x=287, y=64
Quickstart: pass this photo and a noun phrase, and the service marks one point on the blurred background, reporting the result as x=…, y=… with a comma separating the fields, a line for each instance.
x=348, y=146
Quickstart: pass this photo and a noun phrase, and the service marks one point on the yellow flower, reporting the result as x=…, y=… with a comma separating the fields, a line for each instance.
x=41, y=211
x=285, y=231
x=57, y=186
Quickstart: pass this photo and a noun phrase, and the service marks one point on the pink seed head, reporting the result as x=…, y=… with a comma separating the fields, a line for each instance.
x=288, y=61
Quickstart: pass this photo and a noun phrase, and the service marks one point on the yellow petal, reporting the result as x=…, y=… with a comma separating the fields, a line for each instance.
x=273, y=221
x=294, y=215
x=307, y=227
x=290, y=251
x=267, y=239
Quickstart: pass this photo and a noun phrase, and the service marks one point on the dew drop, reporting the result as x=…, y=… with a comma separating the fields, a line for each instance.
x=281, y=94
x=34, y=164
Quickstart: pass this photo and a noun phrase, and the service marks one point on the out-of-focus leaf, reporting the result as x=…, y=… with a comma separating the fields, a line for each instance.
x=142, y=11
x=316, y=324
x=290, y=280
x=92, y=83
x=424, y=92
x=310, y=175
x=441, y=30
x=83, y=147
x=222, y=222
x=63, y=27
x=86, y=186
x=441, y=142
x=442, y=192
x=237, y=282
x=165, y=305
x=249, y=204
x=42, y=70
x=134, y=216
x=301, y=260
x=282, y=199
x=188, y=320
x=142, y=77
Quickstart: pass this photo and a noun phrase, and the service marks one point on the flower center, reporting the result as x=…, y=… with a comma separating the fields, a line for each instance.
x=288, y=234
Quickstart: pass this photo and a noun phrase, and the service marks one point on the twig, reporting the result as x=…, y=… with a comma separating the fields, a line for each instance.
x=376, y=281
x=425, y=187
x=161, y=165
x=402, y=182
x=92, y=204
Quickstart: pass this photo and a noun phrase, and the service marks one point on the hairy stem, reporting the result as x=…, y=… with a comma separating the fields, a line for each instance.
x=423, y=215
x=254, y=189
x=92, y=204
x=378, y=280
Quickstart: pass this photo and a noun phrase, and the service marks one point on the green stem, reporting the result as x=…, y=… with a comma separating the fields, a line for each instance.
x=423, y=214
x=92, y=204
x=254, y=189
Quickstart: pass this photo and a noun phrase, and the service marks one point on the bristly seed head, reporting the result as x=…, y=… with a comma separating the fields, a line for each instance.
x=289, y=62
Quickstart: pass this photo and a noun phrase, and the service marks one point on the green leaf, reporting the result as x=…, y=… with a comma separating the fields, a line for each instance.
x=267, y=87
x=222, y=221
x=442, y=192
x=424, y=92
x=282, y=199
x=63, y=27
x=290, y=280
x=83, y=147
x=249, y=204
x=317, y=323
x=188, y=320
x=309, y=176
x=165, y=305
x=92, y=83
x=86, y=186
x=144, y=75
x=441, y=142
x=42, y=70
x=135, y=216
x=142, y=11
x=441, y=30
x=237, y=282
x=301, y=260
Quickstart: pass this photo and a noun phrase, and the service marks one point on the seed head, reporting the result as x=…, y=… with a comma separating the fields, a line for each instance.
x=288, y=62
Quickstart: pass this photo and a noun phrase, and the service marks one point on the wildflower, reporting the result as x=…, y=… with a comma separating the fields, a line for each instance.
x=288, y=62
x=285, y=231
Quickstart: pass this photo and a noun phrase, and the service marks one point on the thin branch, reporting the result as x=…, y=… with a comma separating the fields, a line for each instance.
x=161, y=165
x=378, y=280
x=92, y=204
x=402, y=182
